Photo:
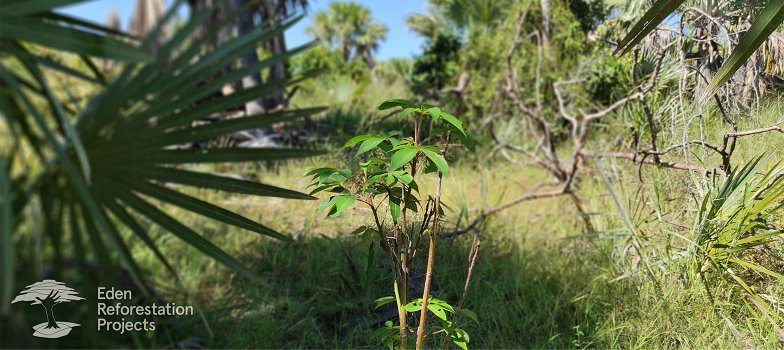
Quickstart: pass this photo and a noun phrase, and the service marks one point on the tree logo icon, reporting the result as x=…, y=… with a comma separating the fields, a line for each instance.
x=49, y=293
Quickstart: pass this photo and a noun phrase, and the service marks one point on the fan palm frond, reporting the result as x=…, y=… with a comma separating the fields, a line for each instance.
x=107, y=165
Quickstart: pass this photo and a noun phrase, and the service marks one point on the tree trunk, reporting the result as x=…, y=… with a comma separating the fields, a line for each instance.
x=277, y=46
x=212, y=25
x=345, y=48
x=546, y=24
x=368, y=59
x=51, y=322
x=245, y=26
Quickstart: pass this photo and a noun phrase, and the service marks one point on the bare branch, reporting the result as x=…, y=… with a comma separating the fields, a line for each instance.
x=661, y=164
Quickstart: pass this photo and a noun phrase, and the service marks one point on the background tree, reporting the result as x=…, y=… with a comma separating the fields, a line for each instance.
x=250, y=15
x=113, y=19
x=349, y=27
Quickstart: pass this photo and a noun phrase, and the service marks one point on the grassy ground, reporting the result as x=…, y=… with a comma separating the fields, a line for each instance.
x=538, y=283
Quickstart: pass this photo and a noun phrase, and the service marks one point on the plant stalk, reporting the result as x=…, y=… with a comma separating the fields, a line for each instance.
x=429, y=274
x=402, y=315
x=404, y=300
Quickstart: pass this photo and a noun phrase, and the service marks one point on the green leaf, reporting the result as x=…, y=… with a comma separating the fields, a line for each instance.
x=402, y=157
x=27, y=7
x=437, y=310
x=208, y=210
x=441, y=303
x=760, y=238
x=121, y=214
x=358, y=139
x=183, y=232
x=71, y=174
x=395, y=103
x=407, y=111
x=216, y=105
x=650, y=20
x=185, y=97
x=394, y=206
x=404, y=177
x=468, y=141
x=69, y=39
x=454, y=122
x=438, y=160
x=125, y=125
x=58, y=110
x=46, y=62
x=67, y=20
x=119, y=246
x=758, y=268
x=460, y=338
x=470, y=314
x=369, y=236
x=319, y=189
x=413, y=306
x=319, y=171
x=340, y=204
x=369, y=144
x=6, y=230
x=221, y=155
x=383, y=301
x=434, y=112
x=221, y=183
x=767, y=22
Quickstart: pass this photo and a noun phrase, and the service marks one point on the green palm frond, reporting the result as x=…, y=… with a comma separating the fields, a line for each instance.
x=107, y=163
x=6, y=228
x=771, y=17
x=735, y=217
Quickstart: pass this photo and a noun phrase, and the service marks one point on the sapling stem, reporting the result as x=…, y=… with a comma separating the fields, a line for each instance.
x=388, y=174
x=401, y=312
x=429, y=274
x=404, y=300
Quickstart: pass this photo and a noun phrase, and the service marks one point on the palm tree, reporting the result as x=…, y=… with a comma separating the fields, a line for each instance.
x=431, y=24
x=453, y=17
x=350, y=27
x=368, y=40
x=747, y=28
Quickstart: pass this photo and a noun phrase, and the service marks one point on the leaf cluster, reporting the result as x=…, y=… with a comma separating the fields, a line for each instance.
x=386, y=163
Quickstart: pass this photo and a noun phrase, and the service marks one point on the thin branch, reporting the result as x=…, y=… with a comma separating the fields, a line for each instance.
x=662, y=164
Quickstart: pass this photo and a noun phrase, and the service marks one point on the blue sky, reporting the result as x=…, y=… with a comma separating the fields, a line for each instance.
x=401, y=42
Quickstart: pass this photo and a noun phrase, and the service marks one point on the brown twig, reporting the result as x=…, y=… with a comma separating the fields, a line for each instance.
x=471, y=263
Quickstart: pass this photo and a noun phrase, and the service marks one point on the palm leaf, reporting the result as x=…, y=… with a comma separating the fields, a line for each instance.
x=6, y=248
x=765, y=24
x=120, y=147
x=655, y=15
x=37, y=29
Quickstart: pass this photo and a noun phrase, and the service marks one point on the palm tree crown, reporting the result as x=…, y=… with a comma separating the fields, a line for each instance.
x=350, y=27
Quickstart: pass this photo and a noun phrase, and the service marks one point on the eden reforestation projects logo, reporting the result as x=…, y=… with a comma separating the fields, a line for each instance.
x=49, y=293
x=117, y=309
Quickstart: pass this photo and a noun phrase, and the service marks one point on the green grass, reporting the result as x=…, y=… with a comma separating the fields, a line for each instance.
x=538, y=283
